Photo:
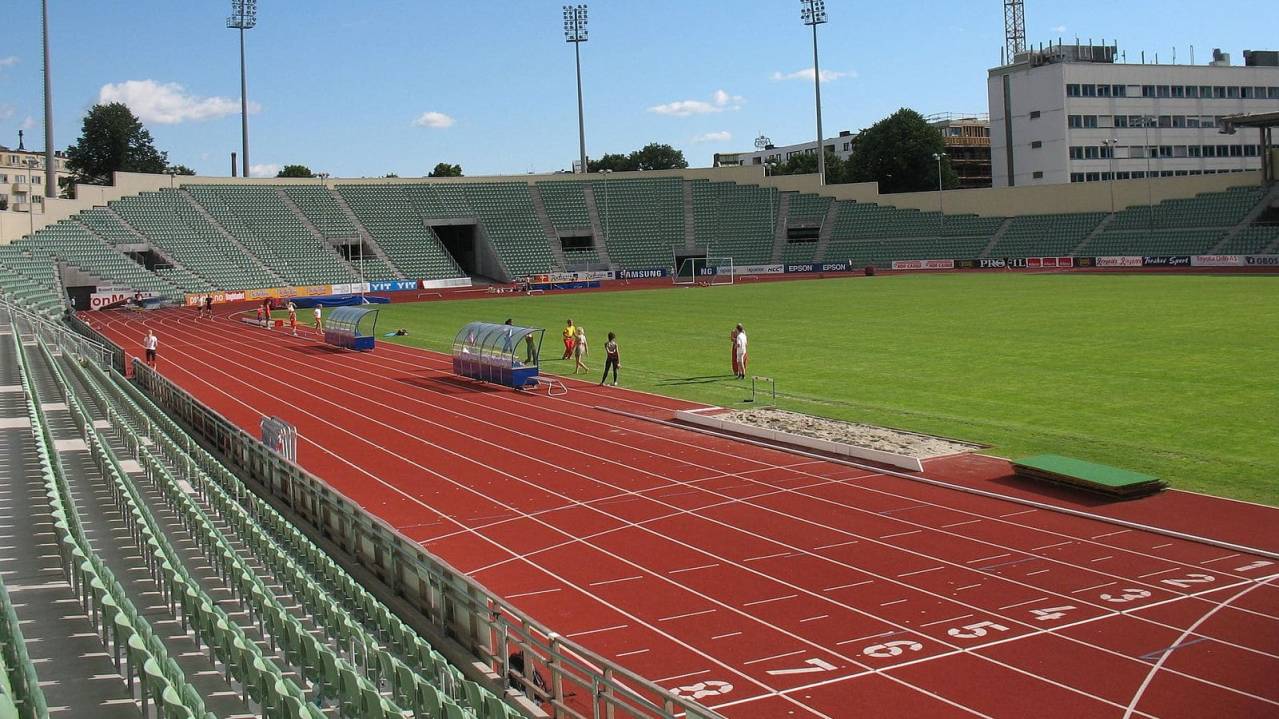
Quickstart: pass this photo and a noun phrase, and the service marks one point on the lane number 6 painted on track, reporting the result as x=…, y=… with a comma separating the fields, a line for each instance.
x=701, y=690
x=891, y=649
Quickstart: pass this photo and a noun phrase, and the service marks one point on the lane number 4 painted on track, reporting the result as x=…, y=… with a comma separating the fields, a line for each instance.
x=701, y=690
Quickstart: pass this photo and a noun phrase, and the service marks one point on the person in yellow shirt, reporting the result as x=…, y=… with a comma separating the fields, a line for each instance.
x=570, y=336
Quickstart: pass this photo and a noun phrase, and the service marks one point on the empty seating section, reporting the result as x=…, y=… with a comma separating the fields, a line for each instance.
x=642, y=220
x=505, y=211
x=169, y=221
x=1251, y=240
x=396, y=225
x=799, y=252
x=30, y=281
x=566, y=205
x=257, y=217
x=867, y=233
x=103, y=222
x=277, y=621
x=76, y=245
x=1157, y=242
x=737, y=221
x=319, y=206
x=1046, y=235
x=807, y=208
x=1208, y=209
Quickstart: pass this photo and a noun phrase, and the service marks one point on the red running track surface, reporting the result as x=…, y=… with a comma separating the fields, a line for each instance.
x=775, y=584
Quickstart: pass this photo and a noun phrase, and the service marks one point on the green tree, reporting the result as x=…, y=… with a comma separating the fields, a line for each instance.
x=806, y=164
x=112, y=139
x=613, y=162
x=654, y=156
x=390, y=174
x=178, y=170
x=897, y=152
x=295, y=171
x=444, y=169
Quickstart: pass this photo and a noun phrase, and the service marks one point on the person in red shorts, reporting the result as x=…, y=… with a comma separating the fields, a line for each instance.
x=570, y=336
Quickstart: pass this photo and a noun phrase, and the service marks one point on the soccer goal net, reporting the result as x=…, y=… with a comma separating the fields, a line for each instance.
x=705, y=271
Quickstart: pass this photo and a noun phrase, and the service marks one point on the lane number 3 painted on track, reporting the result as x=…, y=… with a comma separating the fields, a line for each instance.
x=701, y=690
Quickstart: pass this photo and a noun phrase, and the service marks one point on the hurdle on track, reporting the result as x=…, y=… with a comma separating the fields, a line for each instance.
x=756, y=381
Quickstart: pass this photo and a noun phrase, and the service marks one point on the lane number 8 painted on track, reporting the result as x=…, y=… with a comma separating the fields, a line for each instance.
x=701, y=690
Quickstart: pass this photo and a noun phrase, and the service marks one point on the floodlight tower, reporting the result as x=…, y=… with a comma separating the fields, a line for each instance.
x=813, y=13
x=575, y=32
x=244, y=16
x=1014, y=27
x=50, y=160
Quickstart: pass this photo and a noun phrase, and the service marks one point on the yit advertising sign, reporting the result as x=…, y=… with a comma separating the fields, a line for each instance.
x=393, y=285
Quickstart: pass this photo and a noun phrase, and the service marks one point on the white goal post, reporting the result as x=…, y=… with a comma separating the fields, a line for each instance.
x=705, y=271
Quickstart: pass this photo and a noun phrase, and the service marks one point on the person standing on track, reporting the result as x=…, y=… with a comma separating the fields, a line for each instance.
x=740, y=358
x=150, y=343
x=208, y=306
x=570, y=336
x=319, y=319
x=293, y=318
x=611, y=358
x=579, y=351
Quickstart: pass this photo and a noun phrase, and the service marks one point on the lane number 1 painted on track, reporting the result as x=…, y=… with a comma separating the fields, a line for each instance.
x=818, y=665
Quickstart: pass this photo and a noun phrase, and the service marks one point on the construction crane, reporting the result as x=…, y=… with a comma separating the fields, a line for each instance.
x=1014, y=27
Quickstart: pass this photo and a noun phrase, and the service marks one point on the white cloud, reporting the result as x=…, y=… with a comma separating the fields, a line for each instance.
x=433, y=119
x=29, y=123
x=6, y=111
x=168, y=103
x=264, y=170
x=719, y=102
x=721, y=136
x=9, y=61
x=807, y=74
x=1059, y=29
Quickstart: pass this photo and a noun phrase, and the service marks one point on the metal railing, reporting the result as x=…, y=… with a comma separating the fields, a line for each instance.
x=65, y=339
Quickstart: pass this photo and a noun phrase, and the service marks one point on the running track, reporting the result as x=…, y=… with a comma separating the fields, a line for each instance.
x=776, y=585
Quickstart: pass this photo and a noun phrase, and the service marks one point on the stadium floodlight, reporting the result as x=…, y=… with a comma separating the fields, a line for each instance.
x=940, y=208
x=1111, y=145
x=813, y=13
x=50, y=159
x=244, y=16
x=575, y=32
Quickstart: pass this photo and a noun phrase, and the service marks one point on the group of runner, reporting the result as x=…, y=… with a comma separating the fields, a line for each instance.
x=576, y=346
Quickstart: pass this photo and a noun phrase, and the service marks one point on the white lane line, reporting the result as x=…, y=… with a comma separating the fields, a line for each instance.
x=1218, y=559
x=960, y=524
x=987, y=559
x=686, y=615
x=1161, y=571
x=1111, y=534
x=895, y=601
x=869, y=636
x=725, y=636
x=768, y=556
x=1014, y=514
x=901, y=534
x=629, y=654
x=848, y=586
x=694, y=569
x=944, y=621
x=1161, y=546
x=682, y=676
x=967, y=586
x=597, y=631
x=1102, y=559
x=775, y=656
x=1022, y=604
x=1050, y=546
x=836, y=544
x=1031, y=574
x=1095, y=586
x=920, y=571
x=766, y=601
x=532, y=594
x=615, y=581
x=813, y=619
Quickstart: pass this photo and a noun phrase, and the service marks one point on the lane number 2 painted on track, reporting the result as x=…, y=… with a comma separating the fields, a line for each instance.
x=701, y=690
x=1189, y=579
x=891, y=649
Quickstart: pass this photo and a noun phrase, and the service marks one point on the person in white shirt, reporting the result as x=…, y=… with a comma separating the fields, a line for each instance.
x=741, y=355
x=150, y=343
x=319, y=319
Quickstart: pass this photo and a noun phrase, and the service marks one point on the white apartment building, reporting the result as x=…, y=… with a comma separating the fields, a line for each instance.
x=1071, y=113
x=767, y=154
x=22, y=179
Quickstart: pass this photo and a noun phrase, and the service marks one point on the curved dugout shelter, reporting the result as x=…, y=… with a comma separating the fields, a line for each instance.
x=502, y=354
x=351, y=327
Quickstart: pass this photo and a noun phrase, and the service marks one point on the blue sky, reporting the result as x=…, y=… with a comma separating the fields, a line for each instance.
x=346, y=87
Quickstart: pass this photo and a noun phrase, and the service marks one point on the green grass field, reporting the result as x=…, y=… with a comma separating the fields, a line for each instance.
x=1176, y=376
